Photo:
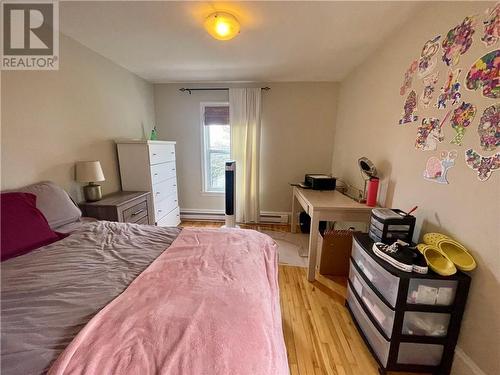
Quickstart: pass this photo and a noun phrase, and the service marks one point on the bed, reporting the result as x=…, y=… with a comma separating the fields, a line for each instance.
x=125, y=298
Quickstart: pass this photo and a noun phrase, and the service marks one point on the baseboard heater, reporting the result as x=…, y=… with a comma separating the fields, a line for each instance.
x=219, y=215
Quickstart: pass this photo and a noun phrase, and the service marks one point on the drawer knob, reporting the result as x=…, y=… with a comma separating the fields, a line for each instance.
x=159, y=210
x=175, y=200
x=156, y=174
x=172, y=152
x=173, y=169
x=157, y=193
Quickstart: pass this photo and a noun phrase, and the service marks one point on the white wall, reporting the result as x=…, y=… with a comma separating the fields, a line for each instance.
x=369, y=108
x=297, y=137
x=50, y=119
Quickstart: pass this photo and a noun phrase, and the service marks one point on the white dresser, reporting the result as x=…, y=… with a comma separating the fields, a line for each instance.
x=150, y=166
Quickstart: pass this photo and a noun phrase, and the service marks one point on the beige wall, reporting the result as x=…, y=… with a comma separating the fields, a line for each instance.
x=297, y=137
x=367, y=125
x=52, y=119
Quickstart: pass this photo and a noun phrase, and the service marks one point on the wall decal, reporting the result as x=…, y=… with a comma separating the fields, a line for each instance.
x=408, y=79
x=409, y=109
x=429, y=133
x=450, y=90
x=458, y=41
x=492, y=26
x=428, y=58
x=461, y=119
x=489, y=128
x=485, y=73
x=429, y=88
x=436, y=169
x=484, y=165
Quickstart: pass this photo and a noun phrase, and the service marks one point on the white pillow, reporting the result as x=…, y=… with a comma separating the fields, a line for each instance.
x=55, y=204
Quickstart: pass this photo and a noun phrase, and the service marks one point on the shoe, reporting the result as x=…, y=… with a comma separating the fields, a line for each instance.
x=396, y=255
x=437, y=261
x=454, y=250
x=419, y=262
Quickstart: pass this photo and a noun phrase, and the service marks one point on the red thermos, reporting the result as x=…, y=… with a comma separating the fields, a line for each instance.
x=371, y=193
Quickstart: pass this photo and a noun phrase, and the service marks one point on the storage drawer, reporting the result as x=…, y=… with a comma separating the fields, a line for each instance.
x=378, y=309
x=432, y=292
x=161, y=153
x=143, y=221
x=172, y=219
x=165, y=206
x=136, y=213
x=164, y=189
x=377, y=342
x=420, y=354
x=425, y=324
x=386, y=283
x=163, y=171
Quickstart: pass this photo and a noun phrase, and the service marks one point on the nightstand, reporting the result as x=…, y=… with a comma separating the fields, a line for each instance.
x=122, y=206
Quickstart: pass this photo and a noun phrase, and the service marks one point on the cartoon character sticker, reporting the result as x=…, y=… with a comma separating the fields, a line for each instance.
x=485, y=73
x=409, y=109
x=484, y=165
x=450, y=90
x=436, y=169
x=429, y=133
x=461, y=119
x=489, y=128
x=458, y=41
x=429, y=88
x=492, y=26
x=407, y=81
x=428, y=58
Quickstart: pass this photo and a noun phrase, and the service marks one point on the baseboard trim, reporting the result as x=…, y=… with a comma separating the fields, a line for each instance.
x=218, y=215
x=473, y=367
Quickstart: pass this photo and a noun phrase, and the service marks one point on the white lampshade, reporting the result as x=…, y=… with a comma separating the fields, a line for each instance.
x=89, y=171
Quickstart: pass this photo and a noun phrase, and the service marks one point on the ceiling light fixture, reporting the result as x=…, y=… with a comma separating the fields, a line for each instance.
x=222, y=25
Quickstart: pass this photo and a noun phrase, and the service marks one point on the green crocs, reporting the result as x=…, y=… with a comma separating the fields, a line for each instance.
x=454, y=250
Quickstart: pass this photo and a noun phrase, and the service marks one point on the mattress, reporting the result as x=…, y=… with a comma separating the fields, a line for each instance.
x=50, y=294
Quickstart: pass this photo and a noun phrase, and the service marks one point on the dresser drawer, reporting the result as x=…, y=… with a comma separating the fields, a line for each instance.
x=172, y=219
x=163, y=171
x=377, y=342
x=385, y=282
x=420, y=354
x=136, y=213
x=164, y=189
x=378, y=309
x=165, y=206
x=408, y=352
x=143, y=221
x=161, y=153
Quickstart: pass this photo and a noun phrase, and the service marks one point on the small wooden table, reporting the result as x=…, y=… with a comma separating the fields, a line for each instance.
x=324, y=206
x=122, y=206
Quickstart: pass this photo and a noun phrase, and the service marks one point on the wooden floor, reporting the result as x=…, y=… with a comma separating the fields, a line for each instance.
x=320, y=336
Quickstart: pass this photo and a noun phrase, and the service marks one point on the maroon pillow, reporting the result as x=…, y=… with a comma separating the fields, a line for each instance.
x=23, y=226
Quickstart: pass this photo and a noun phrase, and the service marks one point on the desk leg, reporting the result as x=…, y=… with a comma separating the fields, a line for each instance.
x=293, y=220
x=313, y=246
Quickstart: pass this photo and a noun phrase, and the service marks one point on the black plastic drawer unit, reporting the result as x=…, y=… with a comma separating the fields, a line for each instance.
x=409, y=321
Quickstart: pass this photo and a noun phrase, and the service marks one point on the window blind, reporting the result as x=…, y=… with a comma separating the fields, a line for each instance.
x=216, y=115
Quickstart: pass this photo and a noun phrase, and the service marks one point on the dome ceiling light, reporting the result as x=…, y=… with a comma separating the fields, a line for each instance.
x=222, y=25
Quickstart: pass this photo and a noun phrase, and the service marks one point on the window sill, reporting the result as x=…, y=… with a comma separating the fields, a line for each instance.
x=212, y=193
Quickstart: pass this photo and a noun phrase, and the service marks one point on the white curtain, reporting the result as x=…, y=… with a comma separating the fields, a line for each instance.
x=244, y=109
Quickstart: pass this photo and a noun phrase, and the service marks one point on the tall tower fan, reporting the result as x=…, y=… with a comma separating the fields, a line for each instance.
x=230, y=194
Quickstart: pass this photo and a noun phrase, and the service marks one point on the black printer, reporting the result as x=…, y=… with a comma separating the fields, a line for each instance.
x=320, y=182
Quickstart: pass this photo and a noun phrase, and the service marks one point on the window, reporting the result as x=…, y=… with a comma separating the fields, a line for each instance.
x=216, y=134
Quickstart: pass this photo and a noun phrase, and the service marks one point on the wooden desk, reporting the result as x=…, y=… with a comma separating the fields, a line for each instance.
x=324, y=206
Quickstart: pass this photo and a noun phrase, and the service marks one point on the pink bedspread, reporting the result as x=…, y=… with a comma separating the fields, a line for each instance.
x=207, y=305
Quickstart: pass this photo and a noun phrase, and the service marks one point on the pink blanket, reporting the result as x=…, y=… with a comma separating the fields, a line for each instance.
x=207, y=305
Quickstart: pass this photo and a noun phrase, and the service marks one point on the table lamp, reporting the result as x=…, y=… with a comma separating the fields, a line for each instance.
x=91, y=172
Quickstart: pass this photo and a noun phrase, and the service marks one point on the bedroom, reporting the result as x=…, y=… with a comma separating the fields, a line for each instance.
x=338, y=90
